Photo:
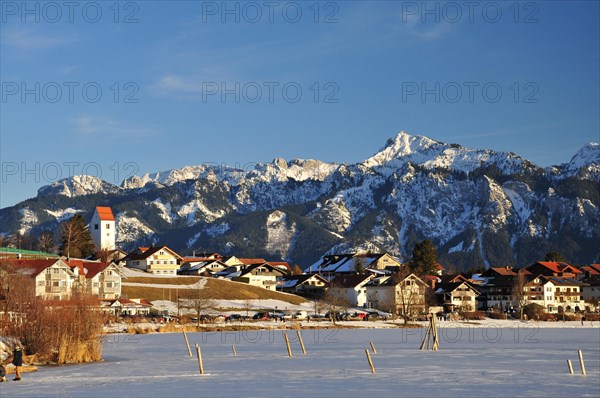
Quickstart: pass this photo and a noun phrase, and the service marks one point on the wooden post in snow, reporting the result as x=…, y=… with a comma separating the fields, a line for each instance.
x=187, y=343
x=581, y=362
x=199, y=354
x=301, y=342
x=370, y=361
x=570, y=366
x=233, y=350
x=287, y=343
x=373, y=348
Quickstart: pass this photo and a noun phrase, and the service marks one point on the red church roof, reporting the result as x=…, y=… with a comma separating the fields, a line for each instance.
x=105, y=213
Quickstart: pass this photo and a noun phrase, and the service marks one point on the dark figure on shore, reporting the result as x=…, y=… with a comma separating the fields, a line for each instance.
x=2, y=373
x=17, y=360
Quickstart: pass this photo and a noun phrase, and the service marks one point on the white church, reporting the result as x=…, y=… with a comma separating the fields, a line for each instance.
x=103, y=228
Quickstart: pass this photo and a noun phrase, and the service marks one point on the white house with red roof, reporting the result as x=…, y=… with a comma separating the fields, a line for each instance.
x=102, y=228
x=159, y=260
x=102, y=279
x=53, y=278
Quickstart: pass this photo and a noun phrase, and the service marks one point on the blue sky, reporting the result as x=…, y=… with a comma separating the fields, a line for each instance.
x=361, y=68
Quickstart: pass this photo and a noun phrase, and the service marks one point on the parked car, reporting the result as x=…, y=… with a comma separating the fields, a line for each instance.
x=261, y=316
x=236, y=318
x=374, y=315
x=301, y=315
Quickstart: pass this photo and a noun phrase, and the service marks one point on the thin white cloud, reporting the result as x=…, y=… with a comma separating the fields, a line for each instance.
x=27, y=39
x=414, y=26
x=91, y=127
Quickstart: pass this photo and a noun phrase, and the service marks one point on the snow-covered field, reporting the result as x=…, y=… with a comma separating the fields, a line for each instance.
x=480, y=361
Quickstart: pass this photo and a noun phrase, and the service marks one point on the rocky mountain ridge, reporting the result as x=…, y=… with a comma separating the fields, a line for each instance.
x=480, y=207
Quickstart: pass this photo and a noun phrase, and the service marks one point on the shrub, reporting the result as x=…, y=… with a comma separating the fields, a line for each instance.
x=534, y=311
x=473, y=315
x=546, y=317
x=496, y=315
x=67, y=331
x=592, y=317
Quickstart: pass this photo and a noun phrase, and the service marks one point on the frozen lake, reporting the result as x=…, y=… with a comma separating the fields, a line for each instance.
x=490, y=361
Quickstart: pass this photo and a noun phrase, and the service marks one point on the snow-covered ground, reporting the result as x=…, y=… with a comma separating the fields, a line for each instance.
x=482, y=361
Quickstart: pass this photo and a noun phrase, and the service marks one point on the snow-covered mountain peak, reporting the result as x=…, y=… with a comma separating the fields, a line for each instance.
x=588, y=154
x=401, y=146
x=77, y=186
x=585, y=163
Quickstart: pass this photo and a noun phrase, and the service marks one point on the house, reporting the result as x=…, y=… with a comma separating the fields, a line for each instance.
x=102, y=279
x=208, y=255
x=308, y=285
x=201, y=267
x=261, y=274
x=53, y=278
x=56, y=279
x=590, y=291
x=497, y=294
x=159, y=260
x=102, y=228
x=567, y=295
x=235, y=261
x=353, y=262
x=400, y=295
x=282, y=265
x=124, y=306
x=553, y=293
x=351, y=288
x=556, y=269
x=457, y=296
x=590, y=271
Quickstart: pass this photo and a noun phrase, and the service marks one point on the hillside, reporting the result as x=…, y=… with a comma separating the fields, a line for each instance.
x=479, y=207
x=217, y=289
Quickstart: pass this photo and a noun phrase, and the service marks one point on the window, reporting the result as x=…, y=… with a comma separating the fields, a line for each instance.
x=109, y=284
x=107, y=225
x=55, y=271
x=55, y=283
x=95, y=226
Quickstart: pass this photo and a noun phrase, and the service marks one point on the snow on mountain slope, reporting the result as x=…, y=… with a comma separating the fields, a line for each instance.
x=585, y=162
x=280, y=234
x=28, y=219
x=131, y=229
x=431, y=154
x=165, y=210
x=63, y=214
x=78, y=186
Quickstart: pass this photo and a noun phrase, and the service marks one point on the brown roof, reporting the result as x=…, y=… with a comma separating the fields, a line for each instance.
x=31, y=267
x=280, y=264
x=249, y=261
x=557, y=267
x=105, y=213
x=142, y=255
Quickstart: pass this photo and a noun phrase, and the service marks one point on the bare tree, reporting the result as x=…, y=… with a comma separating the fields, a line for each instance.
x=333, y=301
x=198, y=299
x=518, y=291
x=46, y=242
x=409, y=294
x=247, y=305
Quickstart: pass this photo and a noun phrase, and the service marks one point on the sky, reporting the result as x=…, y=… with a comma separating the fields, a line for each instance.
x=113, y=89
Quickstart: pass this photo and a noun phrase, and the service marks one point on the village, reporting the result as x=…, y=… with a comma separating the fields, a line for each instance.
x=357, y=286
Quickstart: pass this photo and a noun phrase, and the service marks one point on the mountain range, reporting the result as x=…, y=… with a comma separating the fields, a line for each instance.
x=479, y=207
